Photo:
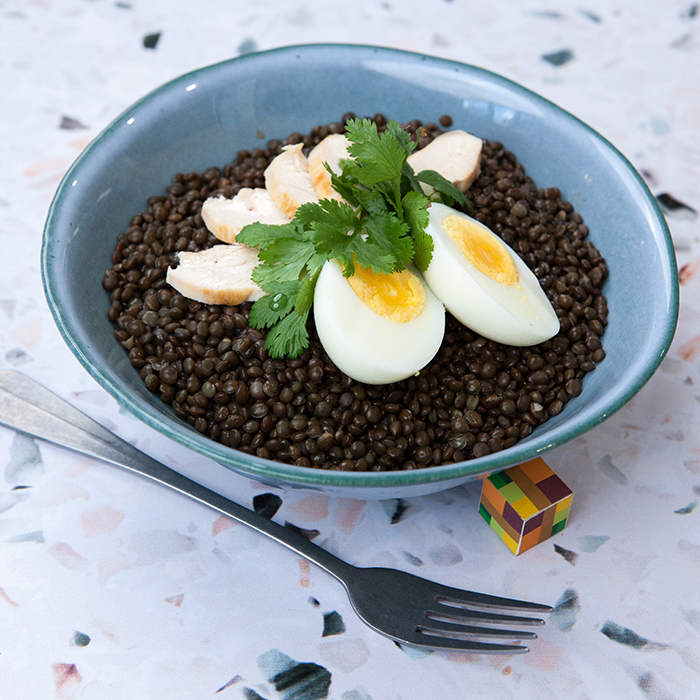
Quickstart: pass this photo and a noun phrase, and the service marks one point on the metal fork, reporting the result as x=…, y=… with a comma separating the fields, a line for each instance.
x=404, y=607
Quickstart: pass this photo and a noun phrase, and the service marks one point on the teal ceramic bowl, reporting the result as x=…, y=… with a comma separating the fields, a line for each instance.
x=203, y=118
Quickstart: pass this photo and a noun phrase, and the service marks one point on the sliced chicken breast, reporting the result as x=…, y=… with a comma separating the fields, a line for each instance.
x=226, y=217
x=330, y=150
x=219, y=275
x=288, y=180
x=455, y=155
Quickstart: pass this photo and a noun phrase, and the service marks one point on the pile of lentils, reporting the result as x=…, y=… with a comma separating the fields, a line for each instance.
x=475, y=398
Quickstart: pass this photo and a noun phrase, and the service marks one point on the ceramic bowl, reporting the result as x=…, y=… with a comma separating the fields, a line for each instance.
x=203, y=118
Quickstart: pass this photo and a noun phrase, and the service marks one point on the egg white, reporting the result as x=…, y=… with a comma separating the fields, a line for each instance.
x=518, y=314
x=365, y=345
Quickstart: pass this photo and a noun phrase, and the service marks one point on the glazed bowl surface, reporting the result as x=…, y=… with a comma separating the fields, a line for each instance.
x=203, y=118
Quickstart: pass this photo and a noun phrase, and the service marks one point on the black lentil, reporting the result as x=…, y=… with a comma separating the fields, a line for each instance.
x=475, y=398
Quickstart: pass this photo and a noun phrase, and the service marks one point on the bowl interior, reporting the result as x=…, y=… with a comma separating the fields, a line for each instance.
x=203, y=118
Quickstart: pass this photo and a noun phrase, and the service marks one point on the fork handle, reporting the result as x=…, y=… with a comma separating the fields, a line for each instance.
x=30, y=408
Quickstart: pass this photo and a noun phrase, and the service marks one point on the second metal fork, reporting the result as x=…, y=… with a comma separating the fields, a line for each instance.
x=402, y=606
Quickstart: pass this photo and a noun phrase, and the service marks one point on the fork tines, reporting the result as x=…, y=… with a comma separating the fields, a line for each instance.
x=449, y=622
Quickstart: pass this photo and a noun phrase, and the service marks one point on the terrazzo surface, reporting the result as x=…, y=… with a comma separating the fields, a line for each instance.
x=112, y=588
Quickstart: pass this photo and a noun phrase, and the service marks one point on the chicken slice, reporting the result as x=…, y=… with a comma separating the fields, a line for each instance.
x=330, y=150
x=226, y=217
x=454, y=154
x=218, y=275
x=288, y=180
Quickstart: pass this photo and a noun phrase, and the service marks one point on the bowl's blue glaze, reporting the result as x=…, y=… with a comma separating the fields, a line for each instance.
x=203, y=118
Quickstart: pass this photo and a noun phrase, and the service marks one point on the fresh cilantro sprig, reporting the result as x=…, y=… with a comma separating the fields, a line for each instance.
x=380, y=225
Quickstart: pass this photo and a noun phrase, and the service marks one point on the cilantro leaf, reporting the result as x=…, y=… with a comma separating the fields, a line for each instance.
x=274, y=305
x=372, y=201
x=380, y=158
x=305, y=296
x=345, y=184
x=331, y=236
x=415, y=207
x=261, y=236
x=285, y=260
x=395, y=130
x=450, y=192
x=329, y=217
x=410, y=181
x=369, y=256
x=362, y=134
x=388, y=232
x=288, y=337
x=424, y=246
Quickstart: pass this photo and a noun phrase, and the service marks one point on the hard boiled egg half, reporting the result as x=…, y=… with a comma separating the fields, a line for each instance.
x=377, y=328
x=483, y=283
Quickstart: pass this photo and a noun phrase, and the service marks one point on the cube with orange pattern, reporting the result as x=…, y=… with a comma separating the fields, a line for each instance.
x=525, y=504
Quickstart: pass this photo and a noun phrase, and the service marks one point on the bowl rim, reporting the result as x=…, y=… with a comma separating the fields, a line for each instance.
x=308, y=477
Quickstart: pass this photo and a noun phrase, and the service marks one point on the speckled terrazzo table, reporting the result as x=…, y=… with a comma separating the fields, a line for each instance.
x=111, y=588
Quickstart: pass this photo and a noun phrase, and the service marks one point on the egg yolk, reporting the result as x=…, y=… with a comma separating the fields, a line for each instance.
x=398, y=297
x=483, y=249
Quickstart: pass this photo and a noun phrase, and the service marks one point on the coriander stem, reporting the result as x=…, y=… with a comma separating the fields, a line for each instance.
x=397, y=199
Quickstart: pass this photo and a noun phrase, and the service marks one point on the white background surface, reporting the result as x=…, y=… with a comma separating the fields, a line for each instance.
x=111, y=588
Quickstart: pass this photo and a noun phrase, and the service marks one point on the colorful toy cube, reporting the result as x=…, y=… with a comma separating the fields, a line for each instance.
x=525, y=504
